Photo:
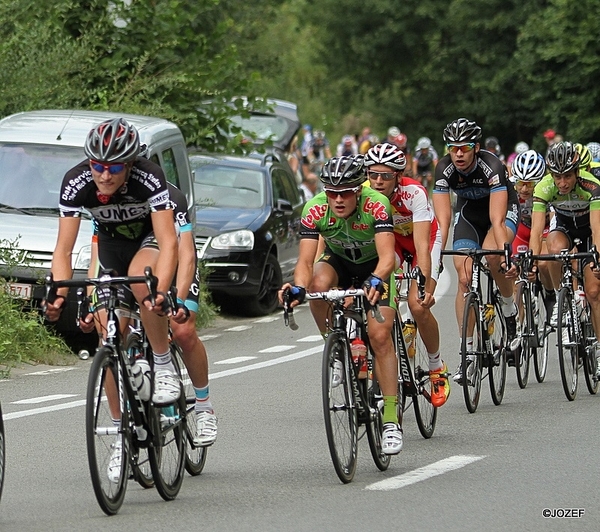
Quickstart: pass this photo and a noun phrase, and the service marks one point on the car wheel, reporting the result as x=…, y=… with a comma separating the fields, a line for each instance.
x=265, y=302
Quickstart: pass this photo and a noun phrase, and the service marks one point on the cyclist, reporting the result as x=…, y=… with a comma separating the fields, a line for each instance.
x=520, y=147
x=183, y=317
x=487, y=213
x=575, y=196
x=424, y=161
x=594, y=148
x=418, y=239
x=355, y=224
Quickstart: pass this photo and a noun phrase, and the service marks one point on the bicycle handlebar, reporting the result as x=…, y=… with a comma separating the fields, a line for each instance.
x=417, y=275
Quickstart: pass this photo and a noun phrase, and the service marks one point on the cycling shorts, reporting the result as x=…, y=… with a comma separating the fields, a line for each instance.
x=405, y=251
x=582, y=234
x=352, y=275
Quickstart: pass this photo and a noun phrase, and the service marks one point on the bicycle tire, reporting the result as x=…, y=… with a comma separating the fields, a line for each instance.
x=101, y=432
x=425, y=412
x=2, y=452
x=167, y=454
x=471, y=363
x=375, y=424
x=497, y=358
x=195, y=456
x=543, y=330
x=339, y=410
x=527, y=344
x=568, y=344
x=590, y=364
x=139, y=458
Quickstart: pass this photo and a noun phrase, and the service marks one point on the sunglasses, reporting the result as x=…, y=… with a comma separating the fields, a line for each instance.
x=345, y=193
x=454, y=148
x=386, y=176
x=112, y=168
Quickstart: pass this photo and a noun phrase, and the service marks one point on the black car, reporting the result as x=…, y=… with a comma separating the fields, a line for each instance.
x=248, y=211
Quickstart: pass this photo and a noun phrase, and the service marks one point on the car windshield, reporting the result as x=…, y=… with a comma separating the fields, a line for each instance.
x=226, y=186
x=263, y=127
x=31, y=174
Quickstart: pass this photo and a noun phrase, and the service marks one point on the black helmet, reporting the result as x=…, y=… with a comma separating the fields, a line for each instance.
x=462, y=130
x=348, y=170
x=113, y=141
x=387, y=154
x=562, y=157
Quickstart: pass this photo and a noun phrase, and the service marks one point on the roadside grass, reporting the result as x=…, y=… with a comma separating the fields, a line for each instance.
x=24, y=339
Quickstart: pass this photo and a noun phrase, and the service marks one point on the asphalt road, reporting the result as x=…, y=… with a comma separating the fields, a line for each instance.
x=501, y=468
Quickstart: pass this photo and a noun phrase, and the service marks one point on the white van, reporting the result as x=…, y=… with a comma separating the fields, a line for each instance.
x=36, y=149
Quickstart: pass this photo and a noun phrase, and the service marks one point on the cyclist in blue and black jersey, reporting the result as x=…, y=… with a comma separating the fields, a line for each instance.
x=486, y=213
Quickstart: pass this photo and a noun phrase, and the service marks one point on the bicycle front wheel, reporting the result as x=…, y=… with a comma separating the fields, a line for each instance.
x=497, y=358
x=375, y=424
x=527, y=339
x=470, y=356
x=568, y=343
x=543, y=329
x=107, y=431
x=590, y=364
x=167, y=453
x=425, y=412
x=195, y=456
x=339, y=409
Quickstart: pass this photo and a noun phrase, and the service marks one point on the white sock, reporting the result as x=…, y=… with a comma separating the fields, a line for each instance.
x=508, y=306
x=164, y=361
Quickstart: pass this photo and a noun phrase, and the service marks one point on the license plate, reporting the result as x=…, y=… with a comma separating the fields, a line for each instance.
x=19, y=290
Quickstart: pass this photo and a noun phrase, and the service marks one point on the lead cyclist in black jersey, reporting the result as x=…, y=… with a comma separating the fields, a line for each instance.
x=575, y=196
x=486, y=213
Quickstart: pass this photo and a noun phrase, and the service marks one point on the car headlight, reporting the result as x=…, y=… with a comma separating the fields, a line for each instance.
x=242, y=240
x=82, y=262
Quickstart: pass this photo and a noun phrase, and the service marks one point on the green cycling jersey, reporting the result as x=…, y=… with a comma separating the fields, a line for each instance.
x=352, y=238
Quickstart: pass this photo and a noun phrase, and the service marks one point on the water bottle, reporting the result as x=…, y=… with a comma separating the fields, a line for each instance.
x=409, y=330
x=359, y=357
x=489, y=314
x=141, y=378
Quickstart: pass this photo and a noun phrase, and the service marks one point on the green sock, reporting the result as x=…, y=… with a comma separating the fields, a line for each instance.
x=390, y=409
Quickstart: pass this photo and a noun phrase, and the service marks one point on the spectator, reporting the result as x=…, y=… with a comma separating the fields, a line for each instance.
x=550, y=136
x=320, y=152
x=305, y=148
x=521, y=147
x=294, y=157
x=310, y=186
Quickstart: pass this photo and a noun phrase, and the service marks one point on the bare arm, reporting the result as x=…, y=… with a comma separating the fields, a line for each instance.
x=164, y=231
x=498, y=208
x=421, y=237
x=186, y=269
x=443, y=212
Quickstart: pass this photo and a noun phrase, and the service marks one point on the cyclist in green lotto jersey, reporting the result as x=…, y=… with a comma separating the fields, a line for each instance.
x=356, y=226
x=575, y=196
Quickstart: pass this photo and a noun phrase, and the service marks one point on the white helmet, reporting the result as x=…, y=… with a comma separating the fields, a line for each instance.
x=423, y=143
x=521, y=147
x=529, y=166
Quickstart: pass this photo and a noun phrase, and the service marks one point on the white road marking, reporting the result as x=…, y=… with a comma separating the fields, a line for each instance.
x=267, y=319
x=205, y=337
x=235, y=360
x=313, y=338
x=424, y=473
x=218, y=375
x=50, y=371
x=277, y=349
x=239, y=328
x=44, y=398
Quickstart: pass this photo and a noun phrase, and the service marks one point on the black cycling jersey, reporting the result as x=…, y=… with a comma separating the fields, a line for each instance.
x=473, y=192
x=126, y=214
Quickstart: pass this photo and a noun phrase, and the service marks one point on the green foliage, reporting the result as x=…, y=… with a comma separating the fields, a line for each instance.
x=207, y=311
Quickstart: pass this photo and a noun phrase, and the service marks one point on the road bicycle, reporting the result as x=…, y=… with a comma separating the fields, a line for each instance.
x=533, y=324
x=482, y=315
x=414, y=386
x=576, y=340
x=355, y=402
x=115, y=413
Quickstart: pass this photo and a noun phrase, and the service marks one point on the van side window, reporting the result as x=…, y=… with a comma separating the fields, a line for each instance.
x=170, y=167
x=154, y=159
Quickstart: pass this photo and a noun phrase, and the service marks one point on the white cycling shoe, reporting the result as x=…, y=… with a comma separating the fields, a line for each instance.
x=167, y=387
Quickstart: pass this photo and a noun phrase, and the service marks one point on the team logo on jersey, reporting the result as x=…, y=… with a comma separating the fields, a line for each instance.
x=376, y=209
x=331, y=221
x=103, y=198
x=494, y=180
x=356, y=226
x=314, y=214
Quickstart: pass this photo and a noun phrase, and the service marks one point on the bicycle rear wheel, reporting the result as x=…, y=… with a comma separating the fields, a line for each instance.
x=528, y=341
x=497, y=358
x=104, y=430
x=425, y=412
x=195, y=456
x=339, y=409
x=590, y=364
x=568, y=343
x=168, y=452
x=375, y=424
x=471, y=363
x=543, y=329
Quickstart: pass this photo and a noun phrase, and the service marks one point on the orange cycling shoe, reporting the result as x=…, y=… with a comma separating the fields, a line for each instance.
x=440, y=386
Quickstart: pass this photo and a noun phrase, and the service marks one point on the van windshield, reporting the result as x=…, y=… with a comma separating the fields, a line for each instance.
x=31, y=174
